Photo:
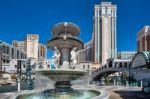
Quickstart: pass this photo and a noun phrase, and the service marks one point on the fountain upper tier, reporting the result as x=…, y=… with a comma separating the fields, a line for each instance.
x=70, y=42
x=66, y=27
x=64, y=36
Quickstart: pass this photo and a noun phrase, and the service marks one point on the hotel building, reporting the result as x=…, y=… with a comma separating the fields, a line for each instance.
x=8, y=52
x=104, y=32
x=143, y=39
x=42, y=51
x=32, y=41
x=32, y=47
x=85, y=55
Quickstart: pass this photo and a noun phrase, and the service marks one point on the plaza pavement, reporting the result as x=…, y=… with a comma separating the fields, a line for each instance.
x=115, y=92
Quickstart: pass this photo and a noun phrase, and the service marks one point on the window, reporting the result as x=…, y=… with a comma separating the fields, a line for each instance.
x=48, y=66
x=24, y=66
x=83, y=66
x=88, y=66
x=109, y=11
x=33, y=66
x=103, y=10
x=40, y=67
x=125, y=65
x=120, y=64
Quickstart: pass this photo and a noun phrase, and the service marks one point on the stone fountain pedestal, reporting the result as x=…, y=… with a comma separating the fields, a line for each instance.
x=63, y=86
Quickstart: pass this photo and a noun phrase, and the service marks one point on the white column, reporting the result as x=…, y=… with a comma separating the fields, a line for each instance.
x=65, y=55
x=18, y=85
x=126, y=83
x=141, y=83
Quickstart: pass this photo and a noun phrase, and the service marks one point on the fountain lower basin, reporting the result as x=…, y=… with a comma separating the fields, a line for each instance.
x=50, y=94
x=62, y=77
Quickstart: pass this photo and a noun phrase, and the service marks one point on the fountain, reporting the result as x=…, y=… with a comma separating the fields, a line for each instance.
x=64, y=44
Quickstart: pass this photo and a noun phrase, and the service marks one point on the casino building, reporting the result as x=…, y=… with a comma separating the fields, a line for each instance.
x=143, y=39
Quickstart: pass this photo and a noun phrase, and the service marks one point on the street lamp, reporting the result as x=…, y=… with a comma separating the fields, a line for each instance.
x=29, y=74
x=129, y=70
x=1, y=51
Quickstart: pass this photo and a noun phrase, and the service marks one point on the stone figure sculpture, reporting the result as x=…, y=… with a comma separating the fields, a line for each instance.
x=73, y=57
x=56, y=57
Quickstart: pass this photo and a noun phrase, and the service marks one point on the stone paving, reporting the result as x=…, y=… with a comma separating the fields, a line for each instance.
x=115, y=92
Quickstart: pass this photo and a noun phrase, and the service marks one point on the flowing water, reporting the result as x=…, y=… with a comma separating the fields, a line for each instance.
x=49, y=94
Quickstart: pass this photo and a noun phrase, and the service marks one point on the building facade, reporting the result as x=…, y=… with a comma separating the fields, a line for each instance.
x=85, y=55
x=32, y=41
x=19, y=44
x=8, y=52
x=42, y=51
x=104, y=32
x=143, y=39
x=126, y=55
x=31, y=46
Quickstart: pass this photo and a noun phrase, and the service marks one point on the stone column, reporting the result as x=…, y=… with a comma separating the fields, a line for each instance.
x=65, y=55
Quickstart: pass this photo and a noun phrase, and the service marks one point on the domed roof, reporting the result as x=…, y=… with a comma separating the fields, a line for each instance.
x=141, y=59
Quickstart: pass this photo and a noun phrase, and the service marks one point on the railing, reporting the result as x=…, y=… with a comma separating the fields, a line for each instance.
x=128, y=83
x=134, y=72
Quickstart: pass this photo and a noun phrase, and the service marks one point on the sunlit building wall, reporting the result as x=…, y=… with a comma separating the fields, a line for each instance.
x=143, y=39
x=42, y=51
x=104, y=32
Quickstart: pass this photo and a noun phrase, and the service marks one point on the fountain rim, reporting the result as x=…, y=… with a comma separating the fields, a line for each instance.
x=68, y=38
x=103, y=93
x=62, y=70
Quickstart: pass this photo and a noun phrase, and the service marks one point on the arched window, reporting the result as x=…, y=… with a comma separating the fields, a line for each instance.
x=83, y=66
x=125, y=65
x=24, y=66
x=120, y=64
x=48, y=66
x=88, y=66
x=110, y=63
x=40, y=67
x=33, y=66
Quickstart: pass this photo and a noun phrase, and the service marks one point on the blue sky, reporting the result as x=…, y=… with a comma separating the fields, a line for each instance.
x=19, y=17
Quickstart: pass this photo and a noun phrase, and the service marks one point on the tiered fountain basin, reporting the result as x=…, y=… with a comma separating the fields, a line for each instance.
x=62, y=86
x=62, y=77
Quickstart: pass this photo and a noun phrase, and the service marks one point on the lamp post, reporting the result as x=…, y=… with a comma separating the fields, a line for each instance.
x=29, y=74
x=19, y=72
x=1, y=53
x=129, y=70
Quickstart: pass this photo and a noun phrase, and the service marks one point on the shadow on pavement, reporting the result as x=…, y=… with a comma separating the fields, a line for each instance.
x=132, y=95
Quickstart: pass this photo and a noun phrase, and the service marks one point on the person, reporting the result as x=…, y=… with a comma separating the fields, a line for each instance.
x=73, y=57
x=56, y=56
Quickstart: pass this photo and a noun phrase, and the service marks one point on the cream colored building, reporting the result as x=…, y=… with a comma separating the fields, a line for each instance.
x=42, y=51
x=143, y=39
x=19, y=44
x=31, y=46
x=32, y=42
x=104, y=32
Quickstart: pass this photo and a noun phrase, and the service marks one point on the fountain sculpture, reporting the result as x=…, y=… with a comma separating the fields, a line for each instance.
x=65, y=44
